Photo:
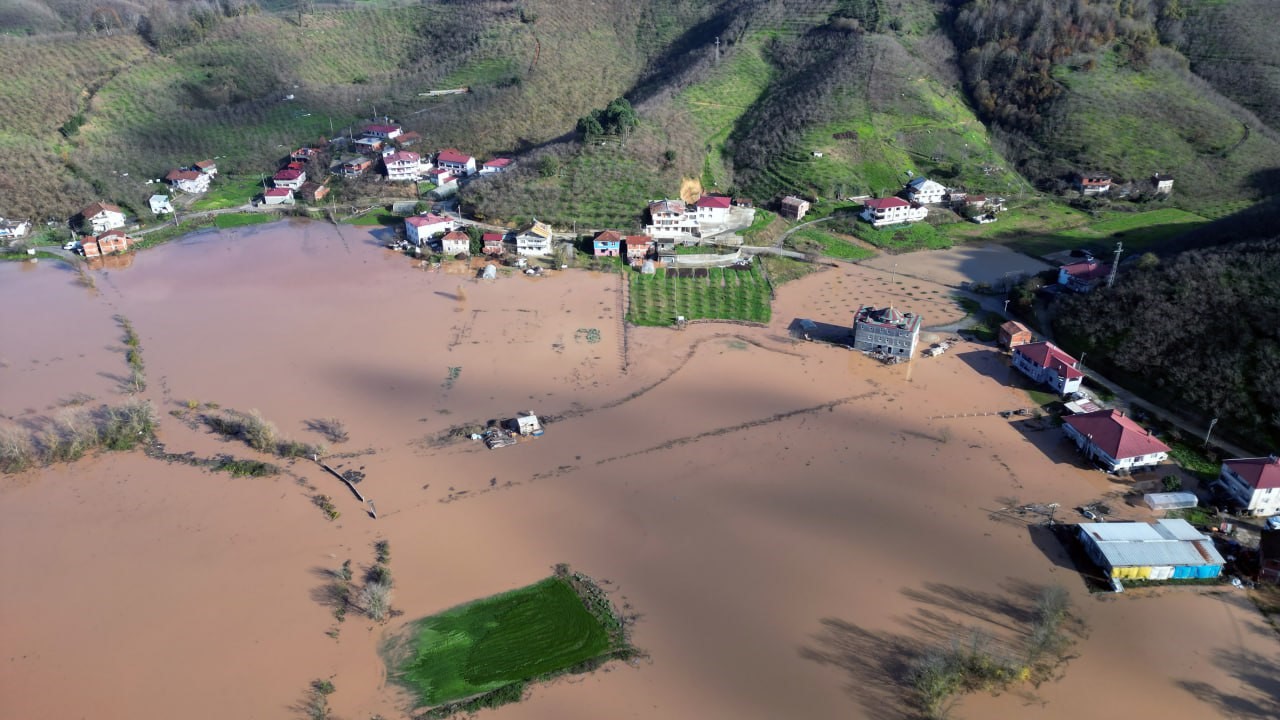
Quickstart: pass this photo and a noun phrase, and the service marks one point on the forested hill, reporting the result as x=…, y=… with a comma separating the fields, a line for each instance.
x=1201, y=330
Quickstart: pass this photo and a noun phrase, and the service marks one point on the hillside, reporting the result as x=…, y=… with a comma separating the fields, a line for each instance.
x=1200, y=331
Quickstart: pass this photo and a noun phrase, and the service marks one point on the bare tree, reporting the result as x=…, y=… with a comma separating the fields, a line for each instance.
x=375, y=599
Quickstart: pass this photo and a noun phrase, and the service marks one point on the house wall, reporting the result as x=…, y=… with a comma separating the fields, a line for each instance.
x=1045, y=376
x=873, y=338
x=1112, y=464
x=1259, y=503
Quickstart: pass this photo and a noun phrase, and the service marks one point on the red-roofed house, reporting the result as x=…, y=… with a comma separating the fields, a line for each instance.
x=713, y=209
x=1093, y=184
x=277, y=196
x=302, y=154
x=208, y=167
x=492, y=243
x=382, y=132
x=289, y=179
x=891, y=211
x=455, y=243
x=496, y=165
x=1114, y=441
x=188, y=181
x=607, y=243
x=1254, y=483
x=403, y=165
x=456, y=161
x=421, y=228
x=113, y=241
x=639, y=247
x=1083, y=276
x=102, y=217
x=1047, y=364
x=1013, y=334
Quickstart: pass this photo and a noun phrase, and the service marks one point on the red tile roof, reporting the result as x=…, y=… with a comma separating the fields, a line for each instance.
x=498, y=162
x=713, y=201
x=402, y=156
x=1013, y=327
x=456, y=235
x=608, y=236
x=100, y=207
x=451, y=155
x=1261, y=473
x=886, y=203
x=278, y=192
x=1048, y=355
x=668, y=206
x=206, y=164
x=424, y=220
x=287, y=174
x=1086, y=270
x=384, y=129
x=491, y=237
x=178, y=174
x=1116, y=435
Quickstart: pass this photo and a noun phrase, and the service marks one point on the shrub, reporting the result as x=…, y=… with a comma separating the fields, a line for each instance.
x=375, y=599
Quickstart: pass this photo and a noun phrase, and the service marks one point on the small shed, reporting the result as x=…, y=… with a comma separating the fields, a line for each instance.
x=527, y=424
x=1171, y=501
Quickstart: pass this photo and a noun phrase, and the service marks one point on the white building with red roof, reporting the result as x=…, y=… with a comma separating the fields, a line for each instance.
x=188, y=181
x=102, y=217
x=382, y=131
x=892, y=211
x=496, y=165
x=455, y=242
x=1047, y=364
x=403, y=166
x=1254, y=483
x=419, y=229
x=1114, y=441
x=289, y=179
x=277, y=196
x=1083, y=276
x=712, y=209
x=456, y=161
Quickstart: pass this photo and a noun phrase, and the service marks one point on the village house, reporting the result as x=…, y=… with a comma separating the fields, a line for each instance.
x=101, y=217
x=455, y=242
x=496, y=165
x=289, y=179
x=355, y=167
x=1162, y=550
x=188, y=181
x=535, y=240
x=492, y=243
x=892, y=211
x=1013, y=334
x=671, y=220
x=408, y=139
x=1047, y=364
x=441, y=177
x=886, y=330
x=419, y=229
x=607, y=243
x=1093, y=183
x=1162, y=183
x=207, y=167
x=113, y=241
x=1114, y=441
x=1083, y=276
x=793, y=208
x=924, y=191
x=1254, y=483
x=456, y=161
x=403, y=166
x=712, y=210
x=160, y=205
x=277, y=196
x=368, y=145
x=382, y=132
x=14, y=229
x=89, y=247
x=296, y=165
x=313, y=192
x=639, y=247
x=302, y=155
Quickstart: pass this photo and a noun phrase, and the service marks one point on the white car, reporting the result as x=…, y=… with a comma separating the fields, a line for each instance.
x=1273, y=523
x=71, y=245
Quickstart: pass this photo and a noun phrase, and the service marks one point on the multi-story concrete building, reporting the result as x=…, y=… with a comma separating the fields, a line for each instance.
x=1254, y=483
x=886, y=330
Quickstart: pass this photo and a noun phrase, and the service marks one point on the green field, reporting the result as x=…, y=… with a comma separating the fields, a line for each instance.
x=811, y=239
x=500, y=641
x=784, y=270
x=723, y=294
x=903, y=238
x=233, y=220
x=376, y=217
x=229, y=192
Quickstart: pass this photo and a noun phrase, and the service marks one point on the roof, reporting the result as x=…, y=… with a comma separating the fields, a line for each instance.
x=492, y=237
x=670, y=206
x=1113, y=433
x=178, y=174
x=498, y=162
x=793, y=201
x=1094, y=179
x=402, y=156
x=540, y=229
x=1013, y=327
x=886, y=203
x=357, y=161
x=638, y=240
x=1162, y=543
x=277, y=192
x=425, y=220
x=159, y=198
x=100, y=207
x=608, y=236
x=887, y=317
x=1086, y=270
x=381, y=128
x=1261, y=473
x=923, y=183
x=287, y=174
x=1160, y=177
x=111, y=234
x=713, y=201
x=203, y=164
x=451, y=155
x=1048, y=355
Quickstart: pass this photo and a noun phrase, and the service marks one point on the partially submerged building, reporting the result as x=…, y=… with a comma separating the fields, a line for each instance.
x=1162, y=550
x=886, y=330
x=1047, y=364
x=1254, y=483
x=1013, y=334
x=1114, y=441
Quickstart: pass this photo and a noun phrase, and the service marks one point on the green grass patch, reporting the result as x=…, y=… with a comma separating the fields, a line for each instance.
x=496, y=645
x=1043, y=398
x=783, y=270
x=228, y=192
x=375, y=217
x=813, y=240
x=1198, y=516
x=1193, y=459
x=903, y=238
x=723, y=294
x=234, y=220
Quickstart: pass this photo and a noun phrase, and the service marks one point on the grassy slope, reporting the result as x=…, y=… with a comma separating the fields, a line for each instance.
x=507, y=638
x=1228, y=46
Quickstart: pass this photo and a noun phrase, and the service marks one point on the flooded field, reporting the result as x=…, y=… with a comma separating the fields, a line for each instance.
x=786, y=519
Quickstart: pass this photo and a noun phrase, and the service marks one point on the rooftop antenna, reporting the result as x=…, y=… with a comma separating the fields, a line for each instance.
x=1115, y=265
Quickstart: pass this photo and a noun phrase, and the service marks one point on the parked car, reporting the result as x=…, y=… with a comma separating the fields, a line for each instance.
x=1273, y=523
x=71, y=245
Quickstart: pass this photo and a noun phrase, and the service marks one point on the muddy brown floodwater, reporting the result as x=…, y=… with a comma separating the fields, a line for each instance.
x=785, y=518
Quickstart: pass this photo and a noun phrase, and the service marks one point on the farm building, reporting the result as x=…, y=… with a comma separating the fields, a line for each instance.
x=1162, y=550
x=793, y=208
x=1254, y=483
x=1013, y=334
x=1170, y=500
x=1114, y=441
x=886, y=330
x=1047, y=364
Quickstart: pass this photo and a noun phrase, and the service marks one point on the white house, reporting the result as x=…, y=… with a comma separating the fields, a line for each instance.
x=277, y=196
x=712, y=210
x=1162, y=183
x=496, y=165
x=1114, y=441
x=671, y=220
x=1254, y=483
x=455, y=243
x=289, y=179
x=403, y=165
x=1047, y=364
x=925, y=191
x=188, y=181
x=208, y=167
x=421, y=228
x=102, y=217
x=382, y=132
x=160, y=205
x=535, y=240
x=14, y=229
x=1083, y=276
x=891, y=211
x=456, y=161
x=441, y=177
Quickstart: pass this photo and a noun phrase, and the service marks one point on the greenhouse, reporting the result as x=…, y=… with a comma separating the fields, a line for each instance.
x=1171, y=501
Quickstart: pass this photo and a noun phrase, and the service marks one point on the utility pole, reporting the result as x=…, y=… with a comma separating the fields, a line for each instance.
x=1210, y=432
x=717, y=50
x=1115, y=265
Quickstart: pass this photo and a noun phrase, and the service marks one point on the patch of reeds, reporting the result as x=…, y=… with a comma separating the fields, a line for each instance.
x=333, y=429
x=75, y=431
x=258, y=433
x=133, y=353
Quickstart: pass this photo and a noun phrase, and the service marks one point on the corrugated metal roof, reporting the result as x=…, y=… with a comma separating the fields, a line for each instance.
x=1165, y=542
